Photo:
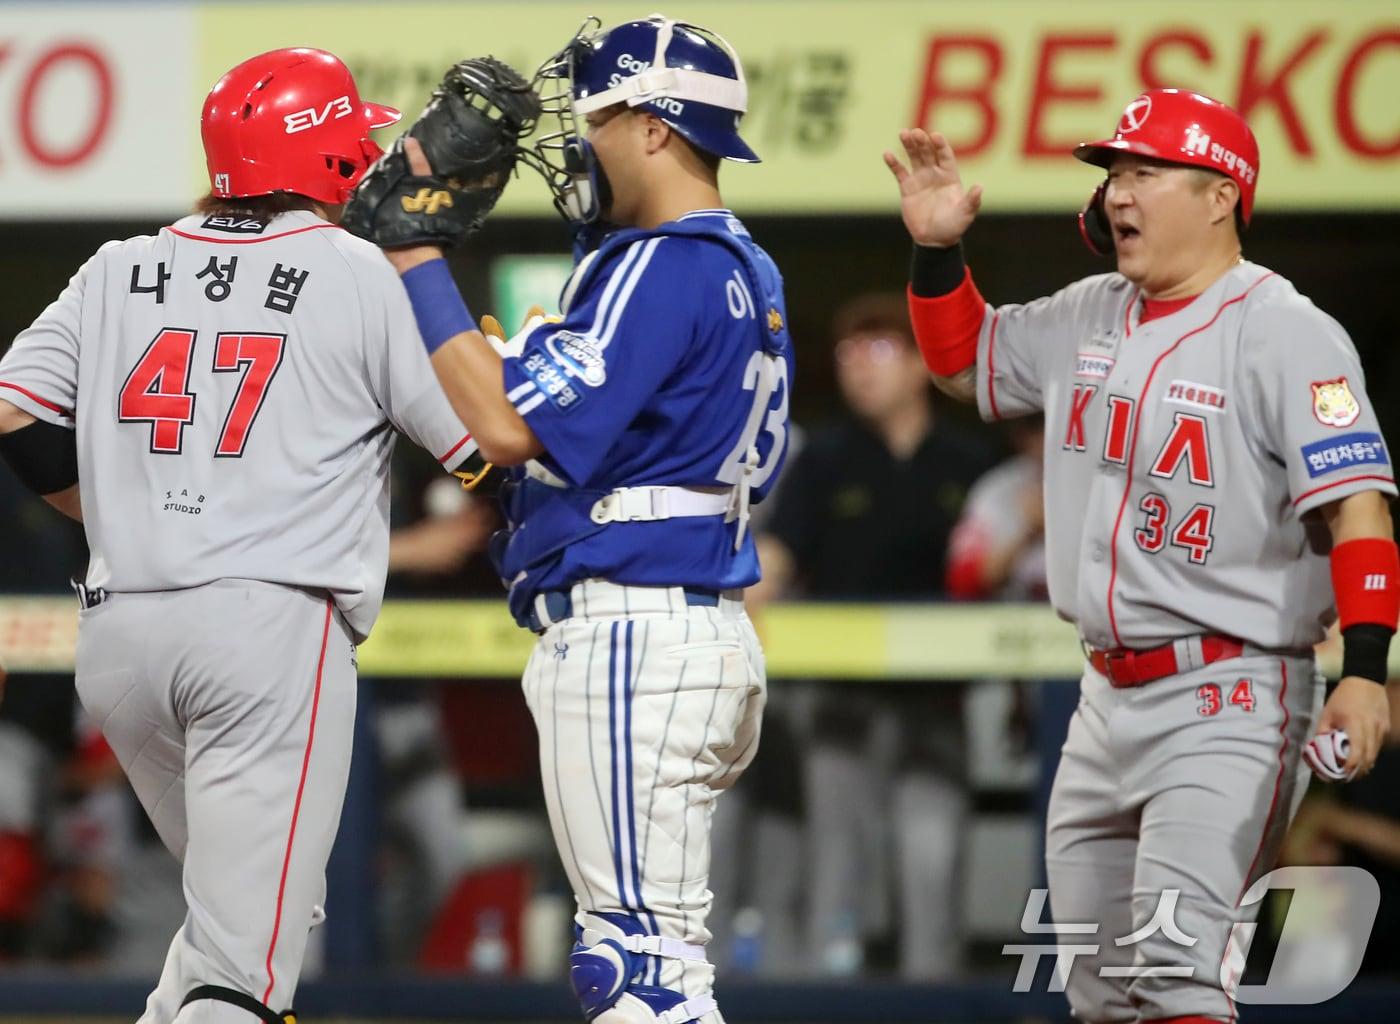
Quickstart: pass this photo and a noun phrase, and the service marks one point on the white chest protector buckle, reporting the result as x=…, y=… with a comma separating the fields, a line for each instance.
x=652, y=504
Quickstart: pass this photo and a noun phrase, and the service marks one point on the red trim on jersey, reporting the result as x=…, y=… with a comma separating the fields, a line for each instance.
x=1128, y=314
x=35, y=398
x=249, y=241
x=1154, y=309
x=1338, y=483
x=992, y=369
x=1133, y=445
x=1273, y=808
x=296, y=807
x=454, y=449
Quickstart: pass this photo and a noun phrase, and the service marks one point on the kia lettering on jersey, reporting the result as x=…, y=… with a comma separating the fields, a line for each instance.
x=311, y=117
x=1187, y=443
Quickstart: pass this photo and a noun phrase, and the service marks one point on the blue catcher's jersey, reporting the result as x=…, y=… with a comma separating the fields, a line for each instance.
x=656, y=376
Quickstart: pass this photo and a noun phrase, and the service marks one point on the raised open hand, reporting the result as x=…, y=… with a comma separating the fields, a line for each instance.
x=937, y=209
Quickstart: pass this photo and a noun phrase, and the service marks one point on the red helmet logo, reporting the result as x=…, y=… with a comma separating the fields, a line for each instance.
x=1135, y=115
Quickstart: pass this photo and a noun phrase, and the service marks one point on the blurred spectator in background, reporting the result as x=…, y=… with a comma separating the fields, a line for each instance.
x=92, y=835
x=864, y=512
x=997, y=553
x=22, y=761
x=438, y=527
x=998, y=546
x=1358, y=823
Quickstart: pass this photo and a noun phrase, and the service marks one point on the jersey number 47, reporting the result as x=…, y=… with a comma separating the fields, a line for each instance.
x=157, y=390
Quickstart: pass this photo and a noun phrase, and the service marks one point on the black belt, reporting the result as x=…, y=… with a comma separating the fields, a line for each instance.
x=559, y=605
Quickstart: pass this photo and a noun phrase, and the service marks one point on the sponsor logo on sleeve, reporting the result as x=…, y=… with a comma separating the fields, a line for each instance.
x=1199, y=396
x=1344, y=452
x=1333, y=403
x=578, y=356
x=1086, y=365
x=550, y=379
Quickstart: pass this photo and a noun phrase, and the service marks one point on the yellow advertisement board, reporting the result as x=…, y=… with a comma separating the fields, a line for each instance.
x=1013, y=83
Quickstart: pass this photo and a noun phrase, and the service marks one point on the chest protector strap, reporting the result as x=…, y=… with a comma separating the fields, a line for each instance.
x=649, y=504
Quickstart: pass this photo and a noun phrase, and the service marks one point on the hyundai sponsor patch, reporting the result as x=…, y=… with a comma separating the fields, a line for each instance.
x=1341, y=452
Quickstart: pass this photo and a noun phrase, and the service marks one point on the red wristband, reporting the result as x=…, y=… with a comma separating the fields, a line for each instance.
x=1366, y=582
x=947, y=327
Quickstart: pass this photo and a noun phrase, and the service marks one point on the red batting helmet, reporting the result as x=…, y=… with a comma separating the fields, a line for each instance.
x=1184, y=128
x=290, y=121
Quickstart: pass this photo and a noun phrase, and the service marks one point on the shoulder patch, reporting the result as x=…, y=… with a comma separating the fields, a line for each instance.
x=1342, y=452
x=1333, y=403
x=579, y=356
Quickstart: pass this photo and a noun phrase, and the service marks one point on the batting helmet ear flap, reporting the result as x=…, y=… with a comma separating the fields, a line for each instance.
x=1093, y=223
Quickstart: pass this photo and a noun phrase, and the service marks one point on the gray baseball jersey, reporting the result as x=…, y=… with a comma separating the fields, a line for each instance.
x=1249, y=390
x=233, y=390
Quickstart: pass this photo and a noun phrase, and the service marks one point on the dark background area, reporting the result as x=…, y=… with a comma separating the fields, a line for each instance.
x=1348, y=264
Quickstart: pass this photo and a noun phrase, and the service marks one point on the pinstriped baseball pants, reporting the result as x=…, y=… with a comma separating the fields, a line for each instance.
x=647, y=709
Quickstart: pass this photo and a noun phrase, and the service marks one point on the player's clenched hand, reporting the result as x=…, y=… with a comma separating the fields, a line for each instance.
x=1360, y=707
x=937, y=209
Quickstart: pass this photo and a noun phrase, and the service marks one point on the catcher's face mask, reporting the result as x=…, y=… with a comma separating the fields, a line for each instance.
x=563, y=157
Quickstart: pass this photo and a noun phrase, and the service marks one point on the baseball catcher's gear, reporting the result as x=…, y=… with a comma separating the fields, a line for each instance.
x=289, y=121
x=686, y=75
x=609, y=961
x=1182, y=128
x=470, y=132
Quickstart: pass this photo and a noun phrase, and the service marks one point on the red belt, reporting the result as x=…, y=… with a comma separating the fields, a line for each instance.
x=1124, y=668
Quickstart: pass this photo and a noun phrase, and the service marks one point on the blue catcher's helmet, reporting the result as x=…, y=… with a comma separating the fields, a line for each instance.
x=687, y=76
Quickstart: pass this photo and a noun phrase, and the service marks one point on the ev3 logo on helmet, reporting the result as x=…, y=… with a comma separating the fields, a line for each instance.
x=301, y=120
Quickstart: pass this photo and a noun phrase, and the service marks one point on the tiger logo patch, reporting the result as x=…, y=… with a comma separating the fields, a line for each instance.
x=1333, y=403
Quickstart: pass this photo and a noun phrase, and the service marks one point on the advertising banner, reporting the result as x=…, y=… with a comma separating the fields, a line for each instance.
x=99, y=112
x=99, y=103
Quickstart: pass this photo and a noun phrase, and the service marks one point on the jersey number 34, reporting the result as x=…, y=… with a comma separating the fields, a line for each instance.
x=157, y=390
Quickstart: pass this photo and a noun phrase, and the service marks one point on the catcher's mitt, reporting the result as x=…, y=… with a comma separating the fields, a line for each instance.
x=470, y=132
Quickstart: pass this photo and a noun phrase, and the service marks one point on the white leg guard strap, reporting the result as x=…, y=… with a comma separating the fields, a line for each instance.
x=654, y=945
x=632, y=1009
x=608, y=964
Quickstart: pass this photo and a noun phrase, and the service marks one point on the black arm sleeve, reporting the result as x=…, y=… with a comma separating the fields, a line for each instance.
x=1365, y=651
x=935, y=271
x=43, y=456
